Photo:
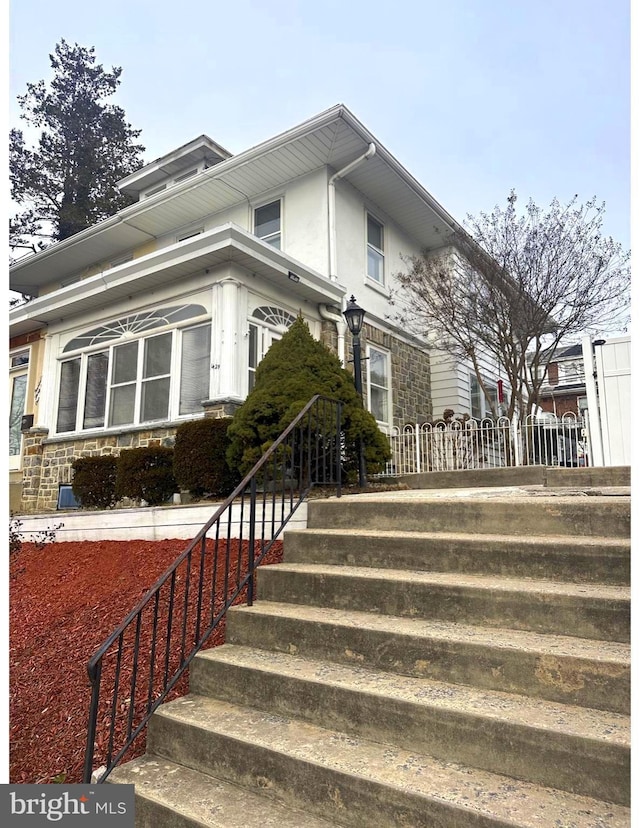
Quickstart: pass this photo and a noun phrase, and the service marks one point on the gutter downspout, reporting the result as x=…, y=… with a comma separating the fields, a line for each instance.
x=341, y=325
x=332, y=207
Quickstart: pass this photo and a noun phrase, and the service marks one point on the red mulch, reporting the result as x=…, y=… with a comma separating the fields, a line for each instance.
x=65, y=599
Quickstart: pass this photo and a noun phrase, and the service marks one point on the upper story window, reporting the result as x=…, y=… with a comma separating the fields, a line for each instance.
x=375, y=250
x=267, y=223
x=145, y=379
x=379, y=385
x=571, y=373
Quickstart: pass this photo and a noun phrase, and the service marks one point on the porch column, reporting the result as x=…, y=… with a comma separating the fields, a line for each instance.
x=226, y=327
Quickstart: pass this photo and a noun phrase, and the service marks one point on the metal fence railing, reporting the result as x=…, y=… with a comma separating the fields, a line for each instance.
x=538, y=440
x=141, y=663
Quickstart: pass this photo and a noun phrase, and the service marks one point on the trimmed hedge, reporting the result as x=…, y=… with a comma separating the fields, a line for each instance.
x=199, y=458
x=146, y=473
x=94, y=481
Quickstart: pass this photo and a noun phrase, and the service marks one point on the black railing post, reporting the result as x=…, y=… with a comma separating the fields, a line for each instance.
x=252, y=539
x=94, y=677
x=339, y=449
x=282, y=454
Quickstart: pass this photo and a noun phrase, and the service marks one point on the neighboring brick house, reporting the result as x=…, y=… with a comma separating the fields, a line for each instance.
x=563, y=390
x=162, y=312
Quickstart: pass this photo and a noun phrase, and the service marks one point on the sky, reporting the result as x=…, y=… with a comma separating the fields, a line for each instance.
x=473, y=97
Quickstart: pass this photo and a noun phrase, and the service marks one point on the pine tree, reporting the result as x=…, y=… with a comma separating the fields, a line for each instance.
x=67, y=182
x=294, y=369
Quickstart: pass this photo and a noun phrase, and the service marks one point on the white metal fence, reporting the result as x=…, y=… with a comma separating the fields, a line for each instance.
x=542, y=440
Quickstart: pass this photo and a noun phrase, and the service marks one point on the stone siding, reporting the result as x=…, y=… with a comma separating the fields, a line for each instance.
x=47, y=463
x=410, y=375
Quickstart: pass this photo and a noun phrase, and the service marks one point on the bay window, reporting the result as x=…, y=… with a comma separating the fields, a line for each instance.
x=145, y=380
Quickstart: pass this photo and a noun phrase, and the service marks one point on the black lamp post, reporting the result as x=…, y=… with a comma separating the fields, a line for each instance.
x=354, y=315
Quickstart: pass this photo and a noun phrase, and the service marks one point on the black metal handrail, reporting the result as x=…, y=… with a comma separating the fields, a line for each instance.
x=141, y=662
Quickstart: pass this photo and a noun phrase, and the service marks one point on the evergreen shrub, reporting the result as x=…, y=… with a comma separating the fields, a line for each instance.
x=94, y=481
x=146, y=473
x=294, y=369
x=199, y=458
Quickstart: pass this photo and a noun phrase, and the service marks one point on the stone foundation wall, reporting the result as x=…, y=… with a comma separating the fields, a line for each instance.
x=47, y=463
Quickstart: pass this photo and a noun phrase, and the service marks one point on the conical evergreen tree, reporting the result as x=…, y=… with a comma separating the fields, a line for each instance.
x=294, y=369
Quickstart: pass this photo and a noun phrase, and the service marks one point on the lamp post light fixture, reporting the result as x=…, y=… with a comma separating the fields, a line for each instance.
x=354, y=315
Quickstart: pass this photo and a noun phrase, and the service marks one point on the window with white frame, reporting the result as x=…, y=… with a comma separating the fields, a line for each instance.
x=18, y=375
x=571, y=372
x=480, y=406
x=375, y=250
x=379, y=384
x=266, y=326
x=147, y=378
x=267, y=223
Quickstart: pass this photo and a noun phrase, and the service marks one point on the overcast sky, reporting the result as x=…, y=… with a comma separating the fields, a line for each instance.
x=473, y=97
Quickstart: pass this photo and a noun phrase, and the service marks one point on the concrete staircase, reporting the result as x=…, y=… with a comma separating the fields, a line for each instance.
x=420, y=659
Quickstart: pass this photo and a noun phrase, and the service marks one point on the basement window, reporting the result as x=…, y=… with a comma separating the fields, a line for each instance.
x=66, y=497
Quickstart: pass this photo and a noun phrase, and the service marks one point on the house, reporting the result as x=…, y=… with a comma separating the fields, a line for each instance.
x=162, y=312
x=563, y=390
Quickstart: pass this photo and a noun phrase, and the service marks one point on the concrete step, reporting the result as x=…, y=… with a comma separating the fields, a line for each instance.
x=581, y=610
x=550, y=476
x=578, y=560
x=175, y=796
x=569, y=670
x=485, y=512
x=575, y=749
x=355, y=781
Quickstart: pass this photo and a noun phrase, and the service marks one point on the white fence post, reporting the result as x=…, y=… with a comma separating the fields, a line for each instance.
x=517, y=448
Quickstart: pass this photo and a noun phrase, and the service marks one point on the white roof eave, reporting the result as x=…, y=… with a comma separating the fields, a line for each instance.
x=228, y=242
x=120, y=232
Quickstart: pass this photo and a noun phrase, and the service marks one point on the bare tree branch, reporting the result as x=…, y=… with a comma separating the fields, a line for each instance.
x=512, y=286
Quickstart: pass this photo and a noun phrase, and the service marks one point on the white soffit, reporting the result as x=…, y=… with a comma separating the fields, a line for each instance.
x=333, y=138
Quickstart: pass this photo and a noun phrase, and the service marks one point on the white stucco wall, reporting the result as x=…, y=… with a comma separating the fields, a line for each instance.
x=351, y=222
x=149, y=523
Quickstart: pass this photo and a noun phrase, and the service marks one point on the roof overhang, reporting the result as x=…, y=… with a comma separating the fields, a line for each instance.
x=331, y=139
x=200, y=149
x=225, y=244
